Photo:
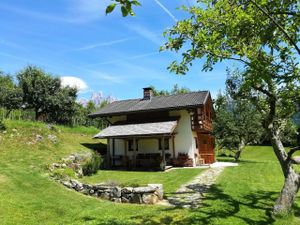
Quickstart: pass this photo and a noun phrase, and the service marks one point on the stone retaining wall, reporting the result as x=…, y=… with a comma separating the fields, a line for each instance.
x=150, y=194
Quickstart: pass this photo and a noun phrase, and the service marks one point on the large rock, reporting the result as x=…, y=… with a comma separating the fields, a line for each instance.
x=148, y=198
x=105, y=195
x=116, y=192
x=136, y=198
x=159, y=191
x=127, y=190
x=125, y=200
x=67, y=184
x=148, y=189
x=127, y=197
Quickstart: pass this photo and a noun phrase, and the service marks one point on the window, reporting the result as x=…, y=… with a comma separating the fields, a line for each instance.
x=130, y=145
x=166, y=144
x=196, y=142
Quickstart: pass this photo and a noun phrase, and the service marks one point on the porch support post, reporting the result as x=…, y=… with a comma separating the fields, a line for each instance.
x=113, y=152
x=108, y=153
x=163, y=166
x=134, y=153
x=125, y=162
x=173, y=146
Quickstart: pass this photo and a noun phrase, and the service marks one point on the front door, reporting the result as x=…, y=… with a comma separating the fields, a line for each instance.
x=206, y=147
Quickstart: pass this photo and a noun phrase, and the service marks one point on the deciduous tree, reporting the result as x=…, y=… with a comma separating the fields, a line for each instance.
x=237, y=123
x=10, y=93
x=44, y=94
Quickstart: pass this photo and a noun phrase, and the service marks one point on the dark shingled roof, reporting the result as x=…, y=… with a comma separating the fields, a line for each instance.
x=156, y=103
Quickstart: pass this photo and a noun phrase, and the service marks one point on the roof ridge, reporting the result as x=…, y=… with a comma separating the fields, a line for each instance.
x=159, y=96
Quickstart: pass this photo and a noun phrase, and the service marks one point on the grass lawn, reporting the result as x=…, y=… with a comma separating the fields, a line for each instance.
x=242, y=195
x=171, y=180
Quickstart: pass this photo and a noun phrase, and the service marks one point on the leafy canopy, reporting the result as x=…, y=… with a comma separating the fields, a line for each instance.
x=10, y=94
x=44, y=93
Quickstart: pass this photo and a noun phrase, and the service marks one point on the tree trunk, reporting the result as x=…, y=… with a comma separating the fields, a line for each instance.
x=37, y=115
x=288, y=193
x=239, y=151
x=291, y=182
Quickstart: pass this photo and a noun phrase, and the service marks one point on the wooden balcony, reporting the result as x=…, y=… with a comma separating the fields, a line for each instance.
x=200, y=122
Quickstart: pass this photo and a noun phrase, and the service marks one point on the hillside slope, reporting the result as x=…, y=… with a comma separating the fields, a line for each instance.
x=242, y=195
x=28, y=196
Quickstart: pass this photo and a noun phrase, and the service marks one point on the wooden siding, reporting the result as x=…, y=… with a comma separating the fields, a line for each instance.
x=206, y=147
x=201, y=118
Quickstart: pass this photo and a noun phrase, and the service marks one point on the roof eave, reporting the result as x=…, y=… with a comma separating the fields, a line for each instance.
x=137, y=136
x=94, y=115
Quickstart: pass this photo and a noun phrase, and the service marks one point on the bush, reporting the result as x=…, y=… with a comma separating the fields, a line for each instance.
x=93, y=165
x=2, y=125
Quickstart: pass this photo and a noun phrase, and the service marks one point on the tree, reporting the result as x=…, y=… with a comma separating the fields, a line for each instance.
x=61, y=107
x=38, y=88
x=237, y=123
x=175, y=90
x=10, y=94
x=44, y=94
x=262, y=36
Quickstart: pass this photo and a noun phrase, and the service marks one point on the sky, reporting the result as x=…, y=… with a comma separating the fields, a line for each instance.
x=117, y=56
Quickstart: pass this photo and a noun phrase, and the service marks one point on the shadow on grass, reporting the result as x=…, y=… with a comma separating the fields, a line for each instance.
x=98, y=147
x=229, y=159
x=219, y=206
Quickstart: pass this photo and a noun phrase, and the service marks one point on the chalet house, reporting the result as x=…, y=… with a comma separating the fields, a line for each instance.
x=159, y=131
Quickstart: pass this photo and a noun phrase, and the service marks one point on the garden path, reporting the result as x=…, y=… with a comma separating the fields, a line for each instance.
x=190, y=195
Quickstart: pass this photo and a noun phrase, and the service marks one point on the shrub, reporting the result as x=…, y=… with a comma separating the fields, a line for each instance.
x=2, y=125
x=93, y=165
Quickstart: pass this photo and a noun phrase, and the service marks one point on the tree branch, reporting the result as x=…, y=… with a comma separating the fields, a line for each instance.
x=292, y=42
x=226, y=57
x=292, y=151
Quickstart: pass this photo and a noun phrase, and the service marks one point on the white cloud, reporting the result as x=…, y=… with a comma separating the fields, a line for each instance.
x=166, y=10
x=74, y=82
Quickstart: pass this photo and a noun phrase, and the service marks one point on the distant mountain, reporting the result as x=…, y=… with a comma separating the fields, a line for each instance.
x=97, y=98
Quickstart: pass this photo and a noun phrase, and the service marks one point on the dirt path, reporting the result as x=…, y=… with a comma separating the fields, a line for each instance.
x=190, y=195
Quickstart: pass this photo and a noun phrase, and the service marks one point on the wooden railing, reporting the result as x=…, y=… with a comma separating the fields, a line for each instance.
x=200, y=122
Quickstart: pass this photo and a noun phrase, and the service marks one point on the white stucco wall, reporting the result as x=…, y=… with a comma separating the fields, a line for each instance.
x=184, y=139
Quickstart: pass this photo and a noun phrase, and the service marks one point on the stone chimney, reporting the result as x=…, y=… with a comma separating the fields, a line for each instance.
x=148, y=93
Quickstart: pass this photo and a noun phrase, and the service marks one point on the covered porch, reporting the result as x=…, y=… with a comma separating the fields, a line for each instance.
x=143, y=145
